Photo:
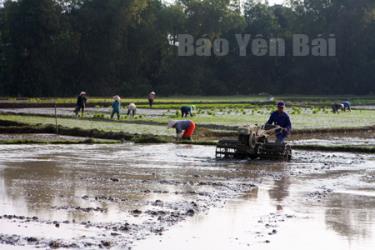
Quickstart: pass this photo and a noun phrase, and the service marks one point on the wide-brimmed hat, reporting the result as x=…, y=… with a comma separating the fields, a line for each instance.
x=117, y=98
x=83, y=93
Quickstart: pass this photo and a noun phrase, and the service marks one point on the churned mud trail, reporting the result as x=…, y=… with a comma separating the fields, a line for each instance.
x=136, y=196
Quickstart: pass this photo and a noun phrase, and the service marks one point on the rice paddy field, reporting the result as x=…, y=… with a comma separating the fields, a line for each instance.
x=154, y=121
x=214, y=113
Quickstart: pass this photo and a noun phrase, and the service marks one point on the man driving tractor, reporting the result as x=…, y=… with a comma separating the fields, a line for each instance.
x=281, y=118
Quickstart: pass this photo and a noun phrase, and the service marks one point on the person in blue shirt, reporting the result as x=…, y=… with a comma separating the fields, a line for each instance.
x=116, y=106
x=282, y=119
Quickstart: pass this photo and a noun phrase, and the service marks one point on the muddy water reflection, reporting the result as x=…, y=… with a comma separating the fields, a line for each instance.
x=242, y=225
x=321, y=196
x=43, y=177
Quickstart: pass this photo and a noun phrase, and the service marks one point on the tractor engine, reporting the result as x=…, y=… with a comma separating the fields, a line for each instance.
x=252, y=143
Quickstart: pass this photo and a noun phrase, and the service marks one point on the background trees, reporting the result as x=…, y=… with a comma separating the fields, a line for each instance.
x=58, y=47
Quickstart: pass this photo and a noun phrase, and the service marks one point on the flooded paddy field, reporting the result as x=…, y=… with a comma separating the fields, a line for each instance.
x=167, y=196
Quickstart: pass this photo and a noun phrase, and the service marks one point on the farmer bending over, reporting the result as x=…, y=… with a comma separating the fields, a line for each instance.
x=184, y=129
x=281, y=118
x=81, y=104
x=187, y=110
x=132, y=109
x=116, y=106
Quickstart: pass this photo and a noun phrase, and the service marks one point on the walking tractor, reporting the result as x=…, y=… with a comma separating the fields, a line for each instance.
x=253, y=142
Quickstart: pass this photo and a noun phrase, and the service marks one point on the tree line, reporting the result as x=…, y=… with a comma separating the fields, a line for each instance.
x=128, y=47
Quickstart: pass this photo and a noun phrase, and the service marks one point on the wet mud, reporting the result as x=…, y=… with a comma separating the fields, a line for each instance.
x=133, y=196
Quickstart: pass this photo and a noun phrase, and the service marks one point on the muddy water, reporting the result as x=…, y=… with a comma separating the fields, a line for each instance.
x=163, y=196
x=320, y=201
